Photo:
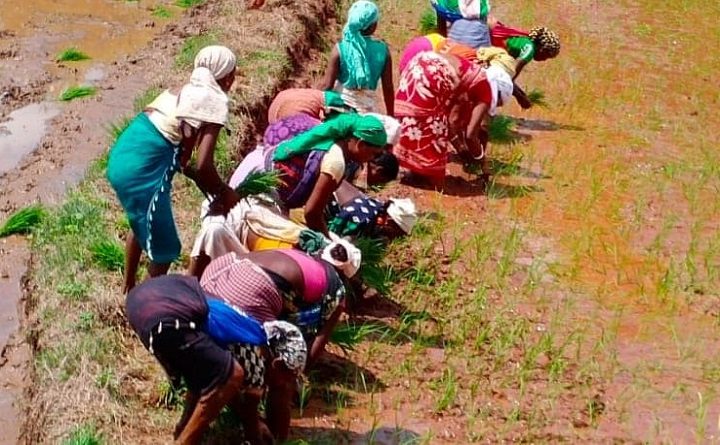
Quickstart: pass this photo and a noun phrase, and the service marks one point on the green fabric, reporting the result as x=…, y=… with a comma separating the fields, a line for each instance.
x=355, y=65
x=140, y=169
x=366, y=128
x=376, y=52
x=311, y=241
x=521, y=48
x=333, y=101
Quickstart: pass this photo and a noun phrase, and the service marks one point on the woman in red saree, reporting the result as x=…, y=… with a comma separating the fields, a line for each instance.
x=439, y=96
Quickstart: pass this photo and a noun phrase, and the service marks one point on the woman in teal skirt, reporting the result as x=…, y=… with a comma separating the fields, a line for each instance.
x=160, y=142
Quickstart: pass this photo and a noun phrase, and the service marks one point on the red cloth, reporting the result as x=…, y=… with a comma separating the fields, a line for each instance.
x=422, y=104
x=500, y=33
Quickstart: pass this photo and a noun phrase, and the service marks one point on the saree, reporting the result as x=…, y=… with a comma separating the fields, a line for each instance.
x=423, y=101
x=141, y=166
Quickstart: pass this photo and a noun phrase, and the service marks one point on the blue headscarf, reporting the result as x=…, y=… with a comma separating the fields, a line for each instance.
x=353, y=46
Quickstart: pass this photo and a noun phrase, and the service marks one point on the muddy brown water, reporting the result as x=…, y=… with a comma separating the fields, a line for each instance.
x=45, y=144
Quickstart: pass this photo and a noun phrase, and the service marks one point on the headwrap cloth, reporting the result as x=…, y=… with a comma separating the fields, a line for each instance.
x=228, y=325
x=367, y=128
x=202, y=99
x=353, y=46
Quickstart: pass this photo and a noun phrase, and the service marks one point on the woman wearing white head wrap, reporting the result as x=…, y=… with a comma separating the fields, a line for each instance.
x=159, y=142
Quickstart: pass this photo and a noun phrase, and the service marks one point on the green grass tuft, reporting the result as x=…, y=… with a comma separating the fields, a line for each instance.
x=500, y=130
x=191, y=47
x=428, y=22
x=189, y=3
x=115, y=129
x=257, y=183
x=108, y=254
x=23, y=221
x=85, y=435
x=537, y=98
x=77, y=92
x=147, y=96
x=72, y=55
x=348, y=335
x=161, y=12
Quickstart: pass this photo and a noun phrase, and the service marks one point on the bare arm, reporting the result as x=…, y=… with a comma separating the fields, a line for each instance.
x=388, y=87
x=281, y=384
x=245, y=405
x=519, y=65
x=333, y=69
x=323, y=337
x=476, y=134
x=319, y=198
x=521, y=97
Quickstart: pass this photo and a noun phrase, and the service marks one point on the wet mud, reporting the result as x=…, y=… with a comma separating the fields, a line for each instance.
x=46, y=145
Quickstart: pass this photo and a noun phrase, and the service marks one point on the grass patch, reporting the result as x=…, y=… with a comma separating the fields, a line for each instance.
x=143, y=100
x=161, y=12
x=72, y=55
x=85, y=435
x=188, y=3
x=109, y=255
x=348, y=335
x=76, y=92
x=192, y=45
x=23, y=221
x=115, y=129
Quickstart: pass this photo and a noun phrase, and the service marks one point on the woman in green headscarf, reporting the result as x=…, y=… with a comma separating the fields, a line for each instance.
x=312, y=164
x=359, y=61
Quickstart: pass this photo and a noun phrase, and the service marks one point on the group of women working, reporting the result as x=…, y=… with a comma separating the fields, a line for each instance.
x=268, y=273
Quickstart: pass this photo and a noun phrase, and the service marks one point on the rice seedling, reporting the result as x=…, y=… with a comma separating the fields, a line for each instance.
x=500, y=130
x=189, y=3
x=161, y=12
x=428, y=22
x=109, y=255
x=537, y=98
x=257, y=183
x=72, y=55
x=192, y=45
x=168, y=395
x=85, y=434
x=76, y=92
x=448, y=386
x=347, y=336
x=23, y=221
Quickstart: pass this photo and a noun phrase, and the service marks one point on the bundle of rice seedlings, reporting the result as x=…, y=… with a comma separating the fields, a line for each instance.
x=537, y=98
x=372, y=272
x=72, y=55
x=428, y=22
x=77, y=92
x=257, y=183
x=500, y=130
x=23, y=221
x=108, y=255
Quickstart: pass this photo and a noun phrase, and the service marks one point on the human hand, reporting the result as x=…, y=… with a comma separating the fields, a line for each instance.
x=224, y=202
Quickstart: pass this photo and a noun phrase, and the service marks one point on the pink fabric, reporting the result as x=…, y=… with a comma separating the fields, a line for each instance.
x=314, y=275
x=253, y=162
x=415, y=46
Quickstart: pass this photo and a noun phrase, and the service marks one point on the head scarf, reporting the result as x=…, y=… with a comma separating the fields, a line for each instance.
x=349, y=267
x=500, y=84
x=286, y=341
x=367, y=128
x=361, y=16
x=494, y=56
x=218, y=59
x=546, y=41
x=403, y=212
x=202, y=99
x=391, y=125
